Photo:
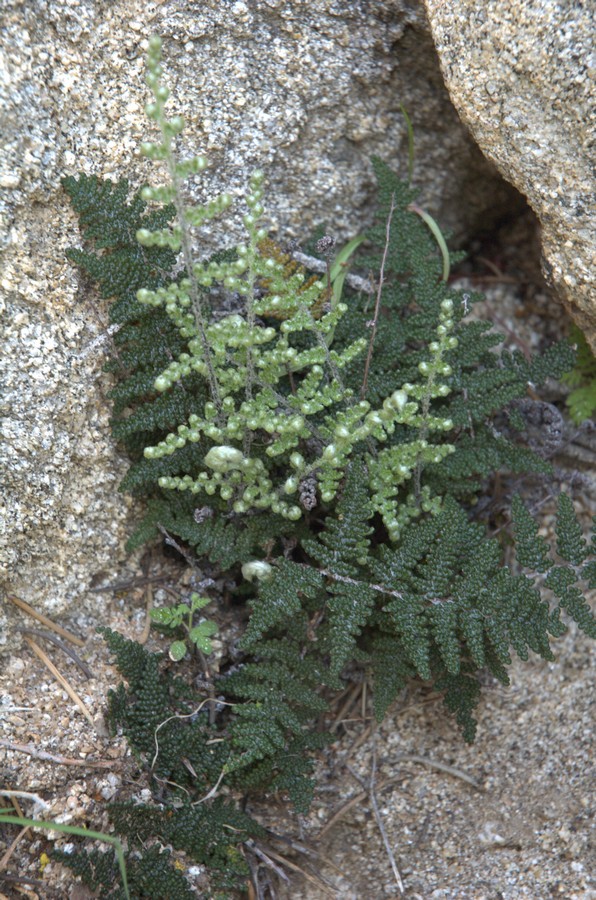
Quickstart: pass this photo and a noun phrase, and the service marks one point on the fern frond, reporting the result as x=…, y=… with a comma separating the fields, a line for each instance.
x=562, y=581
x=461, y=694
x=349, y=609
x=151, y=878
x=390, y=669
x=531, y=549
x=279, y=599
x=571, y=545
x=208, y=833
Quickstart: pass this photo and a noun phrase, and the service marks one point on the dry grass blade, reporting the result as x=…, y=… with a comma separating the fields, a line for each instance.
x=442, y=767
x=47, y=622
x=352, y=699
x=354, y=801
x=46, y=636
x=341, y=812
x=132, y=583
x=305, y=851
x=17, y=808
x=148, y=607
x=366, y=732
x=377, y=312
x=9, y=852
x=60, y=678
x=313, y=879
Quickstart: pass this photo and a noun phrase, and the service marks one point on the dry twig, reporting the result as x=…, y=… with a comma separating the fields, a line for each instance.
x=354, y=801
x=60, y=678
x=10, y=850
x=173, y=543
x=379, y=820
x=271, y=857
x=20, y=879
x=24, y=795
x=442, y=767
x=317, y=265
x=369, y=792
x=45, y=635
x=30, y=750
x=265, y=857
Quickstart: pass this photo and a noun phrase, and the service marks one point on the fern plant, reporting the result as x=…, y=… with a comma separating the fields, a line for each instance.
x=326, y=446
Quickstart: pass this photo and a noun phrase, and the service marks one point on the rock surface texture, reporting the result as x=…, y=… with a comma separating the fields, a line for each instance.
x=521, y=74
x=306, y=89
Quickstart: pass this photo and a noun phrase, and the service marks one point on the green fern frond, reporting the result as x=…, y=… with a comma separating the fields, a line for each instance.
x=571, y=545
x=531, y=549
x=151, y=878
x=461, y=694
x=390, y=670
x=279, y=599
x=344, y=544
x=349, y=609
x=562, y=581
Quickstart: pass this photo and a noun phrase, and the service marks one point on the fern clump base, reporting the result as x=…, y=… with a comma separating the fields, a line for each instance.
x=324, y=446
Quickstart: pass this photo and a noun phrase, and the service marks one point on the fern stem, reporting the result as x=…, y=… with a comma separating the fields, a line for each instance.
x=194, y=292
x=250, y=318
x=283, y=402
x=325, y=346
x=423, y=436
x=375, y=319
x=360, y=583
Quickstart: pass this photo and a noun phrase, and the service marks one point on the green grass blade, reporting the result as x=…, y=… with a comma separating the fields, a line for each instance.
x=10, y=819
x=339, y=268
x=438, y=236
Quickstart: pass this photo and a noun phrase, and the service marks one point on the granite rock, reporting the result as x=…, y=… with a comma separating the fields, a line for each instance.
x=521, y=74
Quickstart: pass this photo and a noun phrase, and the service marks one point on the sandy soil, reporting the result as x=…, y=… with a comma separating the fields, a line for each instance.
x=523, y=829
